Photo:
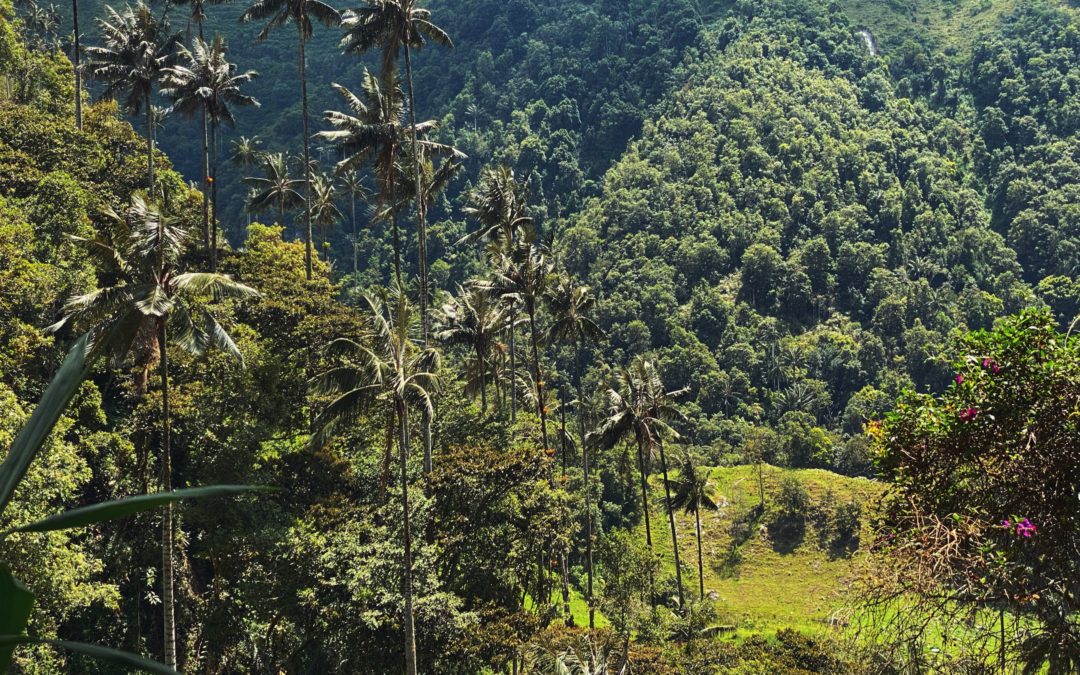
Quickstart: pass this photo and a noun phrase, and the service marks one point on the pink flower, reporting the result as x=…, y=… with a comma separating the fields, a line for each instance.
x=1006, y=524
x=969, y=414
x=991, y=365
x=1025, y=528
x=959, y=379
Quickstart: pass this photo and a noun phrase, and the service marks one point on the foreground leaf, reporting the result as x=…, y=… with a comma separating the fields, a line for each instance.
x=97, y=513
x=37, y=429
x=106, y=654
x=15, y=603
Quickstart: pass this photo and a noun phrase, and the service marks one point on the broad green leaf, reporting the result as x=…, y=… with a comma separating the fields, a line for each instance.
x=134, y=662
x=15, y=603
x=37, y=429
x=97, y=513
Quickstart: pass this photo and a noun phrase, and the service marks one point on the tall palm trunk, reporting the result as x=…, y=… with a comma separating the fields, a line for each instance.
x=406, y=583
x=482, y=367
x=421, y=220
x=671, y=522
x=76, y=56
x=167, y=565
x=352, y=217
x=645, y=510
x=149, y=142
x=421, y=232
x=513, y=364
x=307, y=153
x=206, y=183
x=588, y=484
x=700, y=564
x=213, y=196
x=397, y=251
x=541, y=407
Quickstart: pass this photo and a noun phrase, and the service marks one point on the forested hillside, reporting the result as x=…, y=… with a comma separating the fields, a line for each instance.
x=592, y=336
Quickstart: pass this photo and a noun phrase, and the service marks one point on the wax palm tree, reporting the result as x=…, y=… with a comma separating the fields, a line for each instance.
x=636, y=409
x=208, y=84
x=276, y=188
x=323, y=206
x=301, y=12
x=352, y=183
x=694, y=492
x=136, y=47
x=474, y=319
x=246, y=152
x=390, y=26
x=372, y=133
x=154, y=302
x=498, y=205
x=569, y=306
x=396, y=370
x=520, y=278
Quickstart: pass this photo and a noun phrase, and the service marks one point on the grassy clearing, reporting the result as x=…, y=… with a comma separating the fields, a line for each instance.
x=943, y=23
x=763, y=583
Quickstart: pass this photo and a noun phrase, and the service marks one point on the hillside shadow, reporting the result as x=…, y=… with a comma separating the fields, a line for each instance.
x=787, y=533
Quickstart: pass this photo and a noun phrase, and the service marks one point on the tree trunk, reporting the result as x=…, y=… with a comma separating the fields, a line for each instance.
x=352, y=215
x=76, y=56
x=307, y=155
x=588, y=484
x=645, y=510
x=206, y=184
x=427, y=419
x=406, y=583
x=421, y=221
x=149, y=144
x=513, y=365
x=397, y=252
x=167, y=567
x=213, y=197
x=700, y=563
x=671, y=522
x=541, y=407
x=482, y=367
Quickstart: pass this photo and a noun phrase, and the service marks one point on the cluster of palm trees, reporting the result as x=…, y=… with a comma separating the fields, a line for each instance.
x=395, y=369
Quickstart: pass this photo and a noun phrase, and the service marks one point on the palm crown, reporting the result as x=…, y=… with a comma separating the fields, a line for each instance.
x=136, y=47
x=277, y=13
x=389, y=25
x=144, y=249
x=207, y=81
x=276, y=188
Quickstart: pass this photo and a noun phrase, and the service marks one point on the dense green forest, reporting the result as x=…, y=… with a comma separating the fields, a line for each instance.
x=530, y=336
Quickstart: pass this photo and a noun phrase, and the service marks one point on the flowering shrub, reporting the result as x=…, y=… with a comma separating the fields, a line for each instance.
x=985, y=509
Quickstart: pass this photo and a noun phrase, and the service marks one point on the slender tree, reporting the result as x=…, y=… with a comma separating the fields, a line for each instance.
x=372, y=132
x=136, y=47
x=694, y=492
x=636, y=407
x=391, y=26
x=353, y=185
x=301, y=12
x=570, y=306
x=323, y=207
x=152, y=305
x=498, y=204
x=474, y=319
x=393, y=368
x=208, y=84
x=520, y=277
x=275, y=189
